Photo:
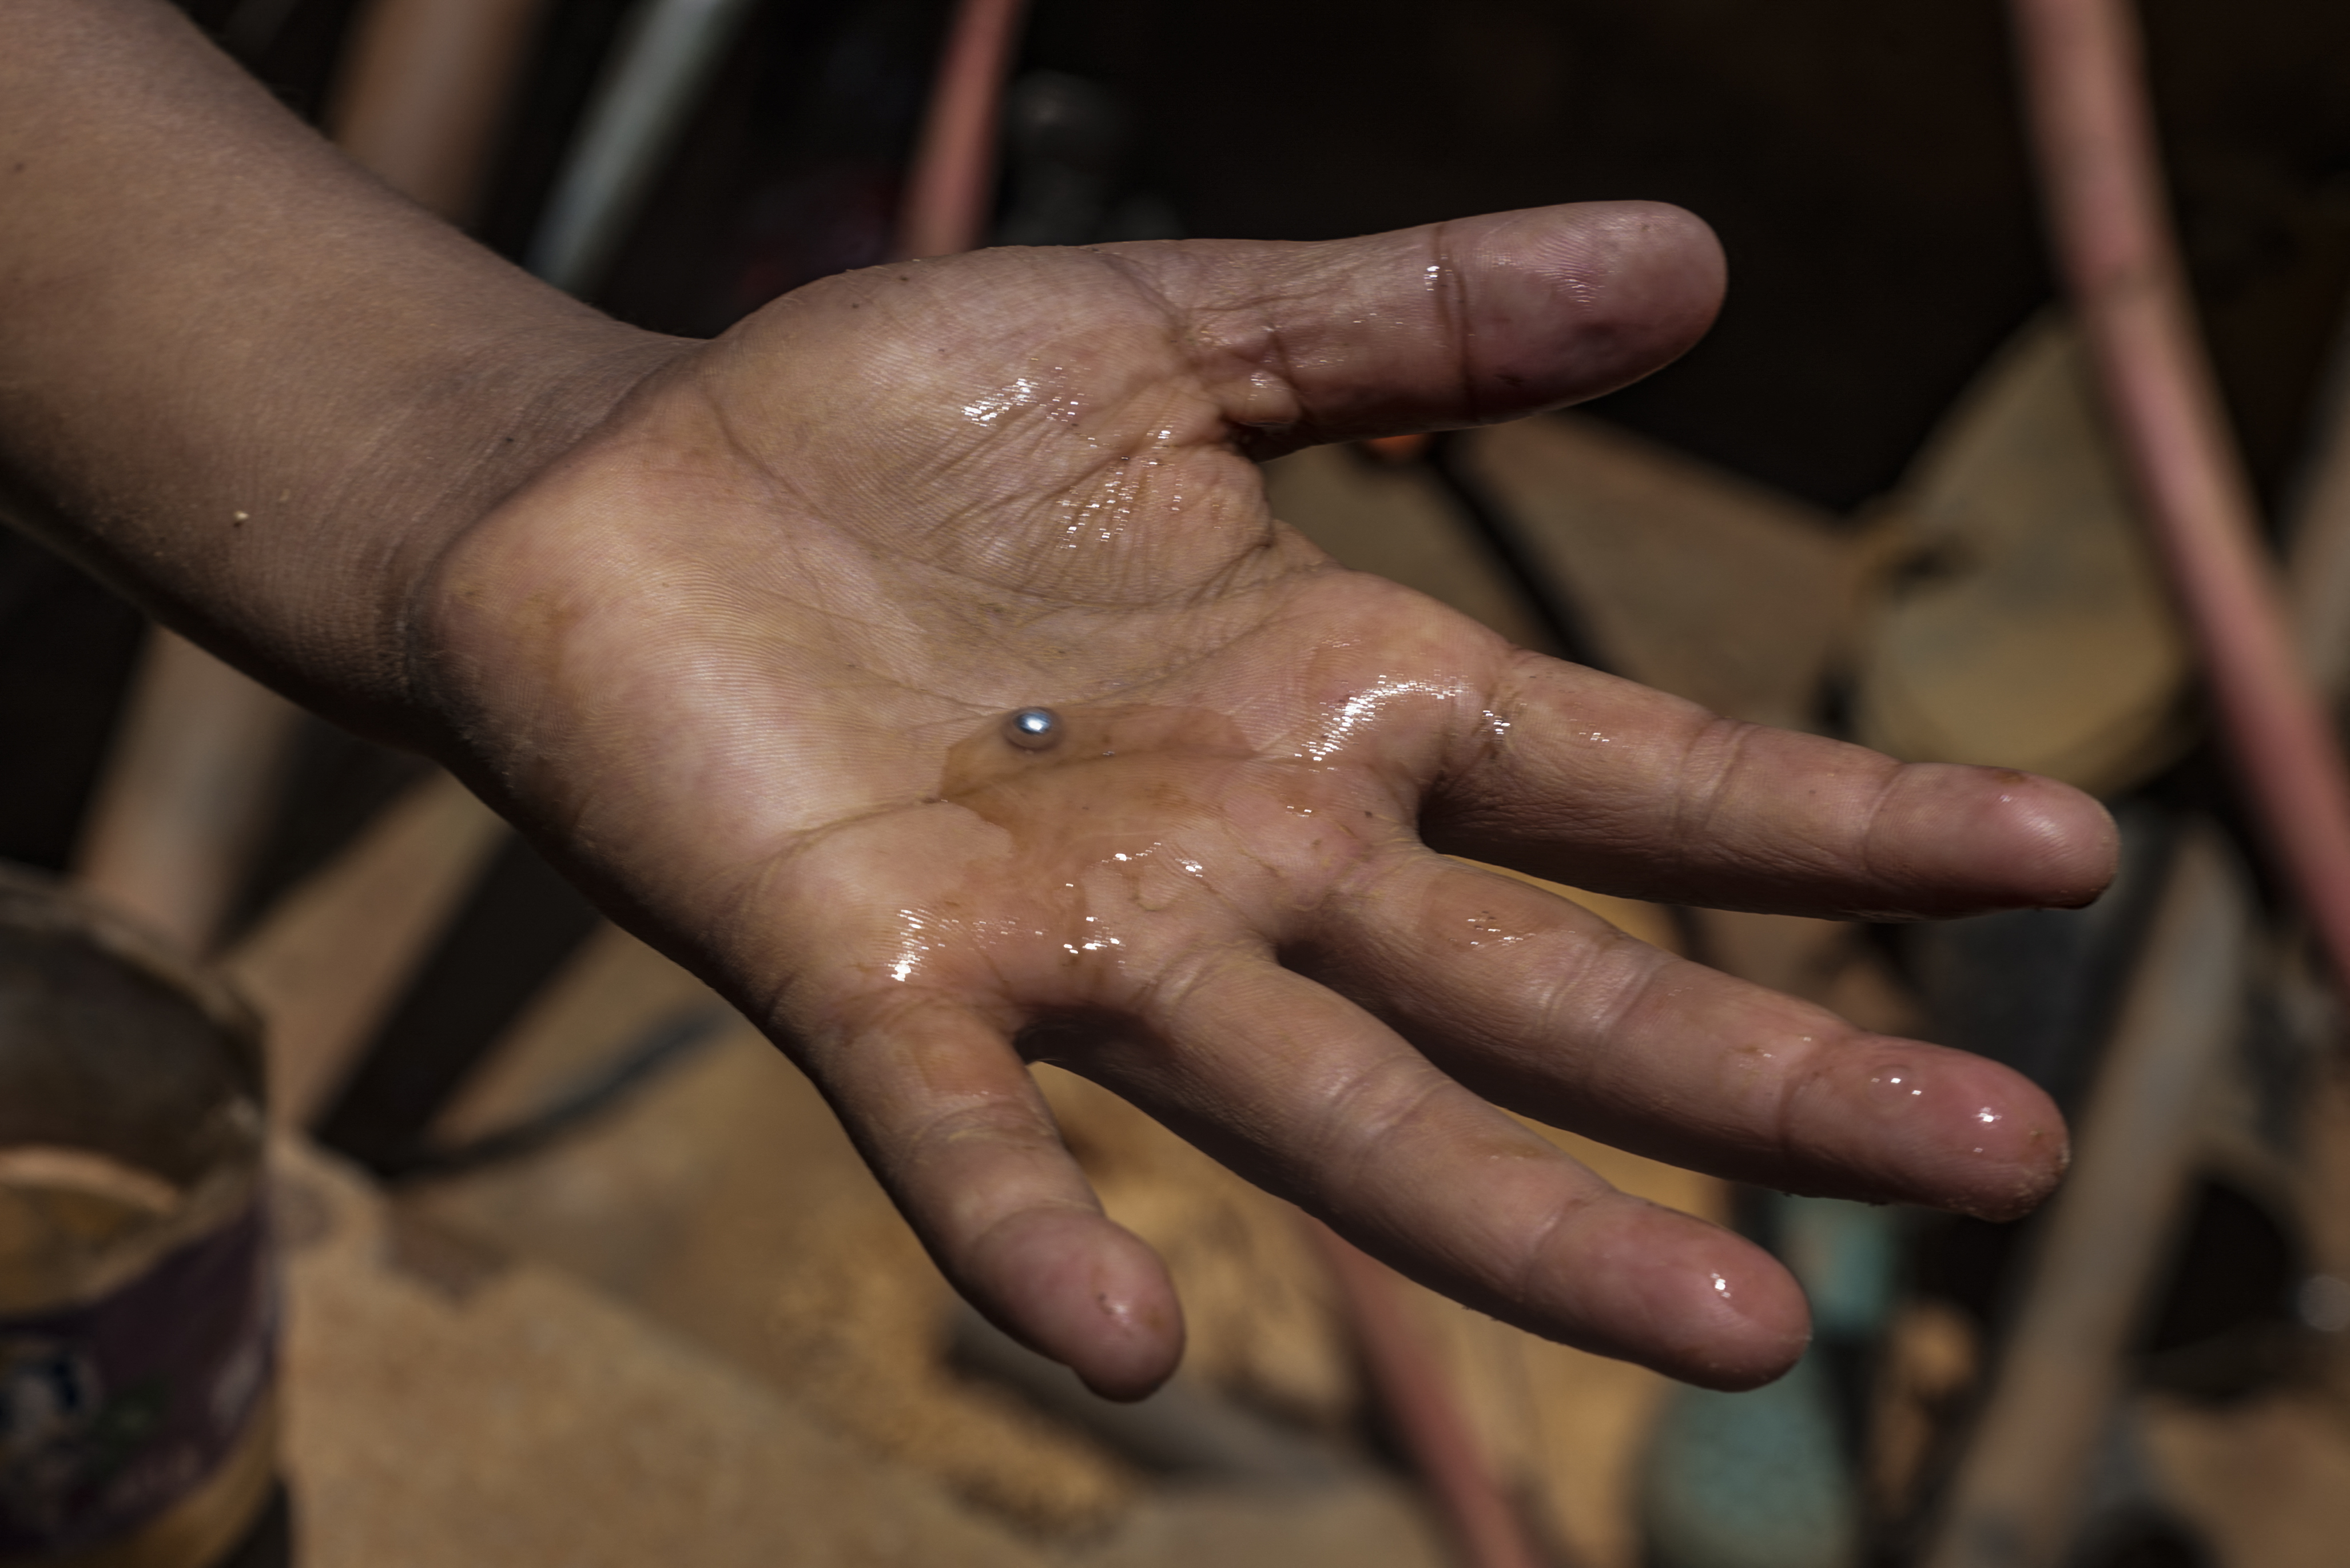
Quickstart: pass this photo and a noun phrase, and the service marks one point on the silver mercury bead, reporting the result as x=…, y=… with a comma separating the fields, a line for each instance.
x=1034, y=729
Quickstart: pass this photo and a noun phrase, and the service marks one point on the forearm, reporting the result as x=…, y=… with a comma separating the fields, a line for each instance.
x=238, y=377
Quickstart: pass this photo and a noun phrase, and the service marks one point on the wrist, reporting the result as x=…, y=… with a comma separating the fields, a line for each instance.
x=241, y=381
x=559, y=539
x=528, y=410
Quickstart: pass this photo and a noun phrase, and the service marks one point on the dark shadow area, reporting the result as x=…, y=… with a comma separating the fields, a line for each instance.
x=270, y=1543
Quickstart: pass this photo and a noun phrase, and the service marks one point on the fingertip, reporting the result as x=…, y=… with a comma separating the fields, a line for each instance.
x=2021, y=1151
x=1663, y=266
x=1995, y=837
x=1904, y=1121
x=1076, y=1286
x=2075, y=838
x=1677, y=1294
x=1618, y=289
x=1743, y=1319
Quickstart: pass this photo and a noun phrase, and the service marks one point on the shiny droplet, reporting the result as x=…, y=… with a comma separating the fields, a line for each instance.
x=1034, y=729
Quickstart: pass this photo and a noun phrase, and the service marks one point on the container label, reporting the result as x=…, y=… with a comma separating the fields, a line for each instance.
x=112, y=1410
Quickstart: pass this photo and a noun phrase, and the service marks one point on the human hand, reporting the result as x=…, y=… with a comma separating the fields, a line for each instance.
x=745, y=657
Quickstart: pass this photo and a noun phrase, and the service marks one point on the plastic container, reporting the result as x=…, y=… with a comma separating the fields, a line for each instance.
x=137, y=1297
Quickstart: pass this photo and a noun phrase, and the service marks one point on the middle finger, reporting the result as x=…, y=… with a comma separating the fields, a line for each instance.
x=1544, y=1007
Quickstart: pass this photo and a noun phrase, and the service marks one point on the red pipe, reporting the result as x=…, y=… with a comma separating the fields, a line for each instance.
x=952, y=178
x=2094, y=133
x=1421, y=1407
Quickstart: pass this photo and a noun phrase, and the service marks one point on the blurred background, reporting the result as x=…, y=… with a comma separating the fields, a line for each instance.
x=1878, y=501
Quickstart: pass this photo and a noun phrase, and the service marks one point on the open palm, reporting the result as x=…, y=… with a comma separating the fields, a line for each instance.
x=746, y=660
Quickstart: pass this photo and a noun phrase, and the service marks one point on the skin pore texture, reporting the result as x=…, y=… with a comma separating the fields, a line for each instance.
x=733, y=630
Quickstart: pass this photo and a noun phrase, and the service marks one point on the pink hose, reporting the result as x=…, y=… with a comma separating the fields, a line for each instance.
x=952, y=178
x=1419, y=1403
x=2094, y=133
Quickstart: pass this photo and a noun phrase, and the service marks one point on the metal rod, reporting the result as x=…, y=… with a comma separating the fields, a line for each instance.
x=186, y=792
x=2015, y=1497
x=424, y=93
x=334, y=954
x=665, y=58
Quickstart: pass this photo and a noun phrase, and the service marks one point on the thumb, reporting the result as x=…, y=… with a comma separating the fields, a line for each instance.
x=1451, y=324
